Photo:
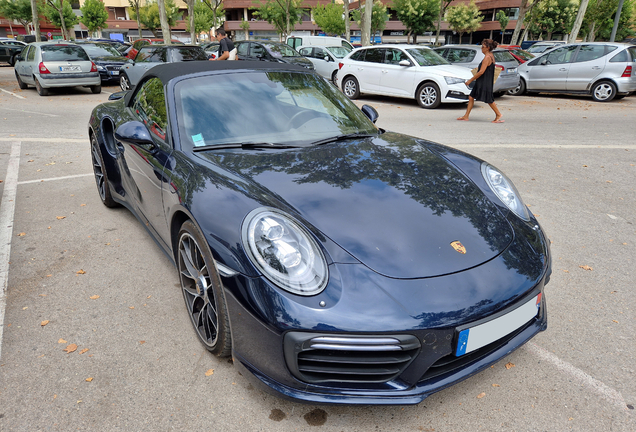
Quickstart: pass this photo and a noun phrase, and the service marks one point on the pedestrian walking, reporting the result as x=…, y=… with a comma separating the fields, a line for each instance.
x=227, y=51
x=484, y=78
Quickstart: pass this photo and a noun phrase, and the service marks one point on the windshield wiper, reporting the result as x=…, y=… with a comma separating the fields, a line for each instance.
x=244, y=145
x=343, y=137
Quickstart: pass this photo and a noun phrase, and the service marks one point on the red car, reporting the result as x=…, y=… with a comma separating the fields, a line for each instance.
x=136, y=46
x=522, y=56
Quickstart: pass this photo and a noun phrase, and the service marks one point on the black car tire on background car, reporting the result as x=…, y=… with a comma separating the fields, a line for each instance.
x=350, y=87
x=202, y=291
x=521, y=89
x=96, y=89
x=41, y=91
x=334, y=76
x=12, y=60
x=124, y=82
x=101, y=178
x=22, y=85
x=428, y=95
x=603, y=91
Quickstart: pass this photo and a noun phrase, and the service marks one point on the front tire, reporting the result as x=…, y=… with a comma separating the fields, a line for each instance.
x=521, y=89
x=202, y=291
x=101, y=178
x=428, y=96
x=41, y=90
x=350, y=88
x=604, y=91
x=124, y=82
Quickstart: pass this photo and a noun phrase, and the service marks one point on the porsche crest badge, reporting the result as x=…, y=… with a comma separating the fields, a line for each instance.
x=458, y=247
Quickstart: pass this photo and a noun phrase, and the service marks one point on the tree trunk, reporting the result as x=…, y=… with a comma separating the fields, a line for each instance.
x=524, y=8
x=35, y=20
x=365, y=27
x=165, y=27
x=63, y=24
x=578, y=21
x=347, y=21
x=138, y=22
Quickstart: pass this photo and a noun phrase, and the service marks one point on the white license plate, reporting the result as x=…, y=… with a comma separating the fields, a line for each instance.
x=114, y=72
x=70, y=69
x=481, y=335
x=512, y=70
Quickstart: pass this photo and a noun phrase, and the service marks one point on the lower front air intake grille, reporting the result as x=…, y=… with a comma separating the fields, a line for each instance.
x=321, y=358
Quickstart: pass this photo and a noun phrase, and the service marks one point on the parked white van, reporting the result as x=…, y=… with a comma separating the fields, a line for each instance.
x=298, y=41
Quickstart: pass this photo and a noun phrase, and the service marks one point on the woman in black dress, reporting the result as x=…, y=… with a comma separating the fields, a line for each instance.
x=482, y=91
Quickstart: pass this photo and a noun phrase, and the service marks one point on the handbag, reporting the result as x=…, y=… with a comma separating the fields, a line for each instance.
x=498, y=70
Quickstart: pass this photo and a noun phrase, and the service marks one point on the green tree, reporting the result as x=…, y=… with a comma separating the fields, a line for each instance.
x=503, y=19
x=330, y=18
x=525, y=7
x=18, y=10
x=149, y=16
x=216, y=8
x=464, y=18
x=203, y=18
x=553, y=16
x=379, y=17
x=61, y=15
x=94, y=15
x=134, y=14
x=245, y=25
x=418, y=16
x=282, y=14
x=599, y=20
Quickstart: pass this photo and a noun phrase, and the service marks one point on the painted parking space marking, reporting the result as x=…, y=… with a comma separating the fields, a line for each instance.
x=55, y=179
x=13, y=94
x=29, y=112
x=7, y=211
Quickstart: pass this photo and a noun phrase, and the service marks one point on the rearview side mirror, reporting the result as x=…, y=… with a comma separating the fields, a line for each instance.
x=370, y=112
x=134, y=132
x=404, y=63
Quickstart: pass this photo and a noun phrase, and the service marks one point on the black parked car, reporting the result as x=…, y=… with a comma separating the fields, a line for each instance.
x=9, y=49
x=271, y=51
x=107, y=59
x=335, y=261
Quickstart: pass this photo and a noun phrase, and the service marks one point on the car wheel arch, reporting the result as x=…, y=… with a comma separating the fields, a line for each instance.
x=601, y=81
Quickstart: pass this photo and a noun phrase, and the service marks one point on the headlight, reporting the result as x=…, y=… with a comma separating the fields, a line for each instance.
x=454, y=80
x=285, y=253
x=505, y=190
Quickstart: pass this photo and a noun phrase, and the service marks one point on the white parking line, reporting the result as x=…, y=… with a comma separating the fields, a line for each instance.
x=48, y=140
x=7, y=211
x=54, y=179
x=26, y=111
x=13, y=94
x=596, y=386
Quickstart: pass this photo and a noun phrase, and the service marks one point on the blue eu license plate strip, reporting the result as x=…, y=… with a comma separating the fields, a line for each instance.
x=481, y=335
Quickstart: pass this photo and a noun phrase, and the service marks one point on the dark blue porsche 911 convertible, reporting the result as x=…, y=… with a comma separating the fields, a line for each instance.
x=335, y=261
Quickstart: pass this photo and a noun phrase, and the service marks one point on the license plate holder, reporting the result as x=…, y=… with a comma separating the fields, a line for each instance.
x=70, y=69
x=476, y=336
x=113, y=73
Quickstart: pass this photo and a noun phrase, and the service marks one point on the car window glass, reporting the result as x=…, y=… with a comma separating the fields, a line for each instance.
x=395, y=56
x=358, y=55
x=632, y=52
x=305, y=52
x=503, y=56
x=523, y=54
x=281, y=50
x=456, y=55
x=339, y=52
x=150, y=54
x=257, y=50
x=590, y=52
x=150, y=105
x=63, y=53
x=100, y=50
x=375, y=55
x=31, y=55
x=319, y=53
x=560, y=55
x=427, y=57
x=189, y=54
x=242, y=49
x=621, y=57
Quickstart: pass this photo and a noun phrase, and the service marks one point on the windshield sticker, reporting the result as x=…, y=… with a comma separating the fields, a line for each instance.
x=198, y=140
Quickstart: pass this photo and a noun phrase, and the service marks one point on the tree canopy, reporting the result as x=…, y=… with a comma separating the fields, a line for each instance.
x=18, y=10
x=282, y=14
x=418, y=16
x=149, y=16
x=94, y=15
x=330, y=18
x=464, y=18
x=54, y=11
x=379, y=17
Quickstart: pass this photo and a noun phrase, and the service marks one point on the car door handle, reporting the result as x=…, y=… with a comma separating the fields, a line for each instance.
x=596, y=67
x=562, y=69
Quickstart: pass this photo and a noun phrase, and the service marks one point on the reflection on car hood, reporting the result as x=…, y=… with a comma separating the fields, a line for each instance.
x=300, y=61
x=450, y=70
x=388, y=201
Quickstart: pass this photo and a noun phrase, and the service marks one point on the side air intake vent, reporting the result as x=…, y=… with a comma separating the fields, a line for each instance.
x=321, y=358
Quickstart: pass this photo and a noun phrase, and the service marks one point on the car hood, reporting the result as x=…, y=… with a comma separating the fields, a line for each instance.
x=300, y=61
x=450, y=70
x=389, y=201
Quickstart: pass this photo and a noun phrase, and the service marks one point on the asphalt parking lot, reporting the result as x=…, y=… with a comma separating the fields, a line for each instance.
x=95, y=336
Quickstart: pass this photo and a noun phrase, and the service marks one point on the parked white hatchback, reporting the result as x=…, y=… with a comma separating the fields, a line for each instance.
x=408, y=71
x=56, y=64
x=325, y=59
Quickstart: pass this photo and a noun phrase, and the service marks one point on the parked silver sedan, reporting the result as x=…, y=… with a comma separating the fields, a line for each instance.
x=470, y=56
x=604, y=70
x=48, y=65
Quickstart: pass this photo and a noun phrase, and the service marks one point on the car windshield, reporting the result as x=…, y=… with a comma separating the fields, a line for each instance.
x=339, y=51
x=63, y=53
x=281, y=50
x=535, y=49
x=503, y=56
x=523, y=54
x=427, y=57
x=280, y=107
x=100, y=50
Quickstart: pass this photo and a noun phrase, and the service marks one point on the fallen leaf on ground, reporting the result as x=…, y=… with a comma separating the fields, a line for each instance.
x=510, y=365
x=95, y=297
x=84, y=350
x=89, y=379
x=25, y=308
x=209, y=372
x=142, y=342
x=45, y=322
x=496, y=385
x=69, y=349
x=586, y=267
x=21, y=234
x=131, y=307
x=81, y=272
x=61, y=341
x=61, y=217
x=615, y=321
x=481, y=395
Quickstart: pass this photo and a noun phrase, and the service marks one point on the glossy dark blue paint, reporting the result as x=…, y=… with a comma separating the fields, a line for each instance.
x=384, y=211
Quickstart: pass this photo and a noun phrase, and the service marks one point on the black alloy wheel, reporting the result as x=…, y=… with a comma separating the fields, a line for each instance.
x=101, y=178
x=203, y=291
